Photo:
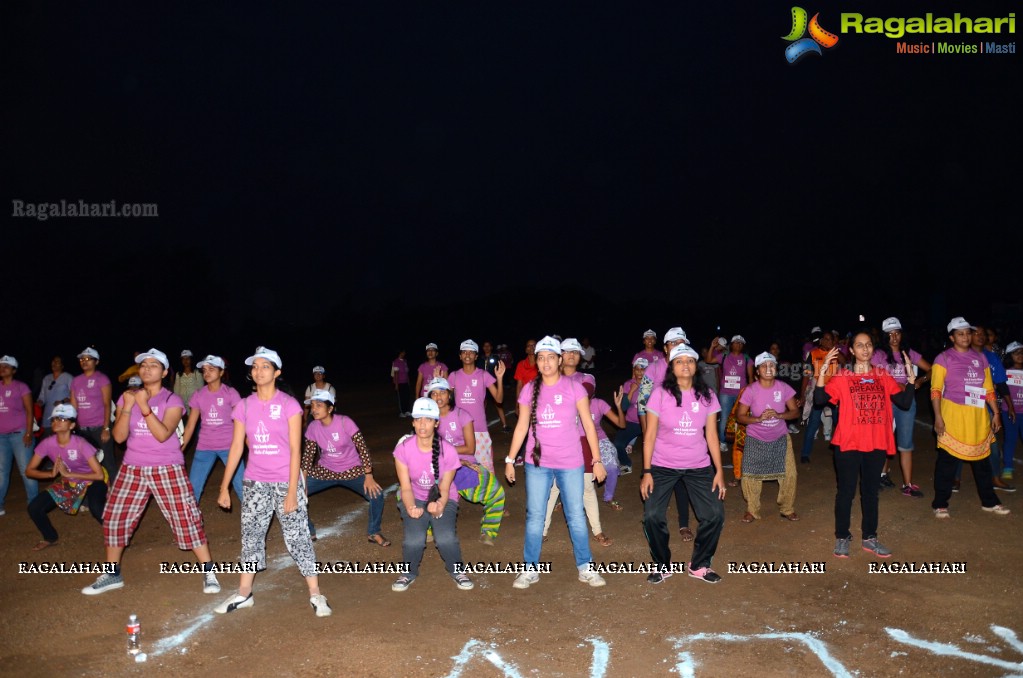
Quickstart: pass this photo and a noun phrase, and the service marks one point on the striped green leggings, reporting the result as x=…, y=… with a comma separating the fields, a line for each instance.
x=490, y=494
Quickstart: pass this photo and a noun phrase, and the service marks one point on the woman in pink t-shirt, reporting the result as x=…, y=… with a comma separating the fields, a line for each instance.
x=549, y=408
x=764, y=407
x=15, y=429
x=76, y=473
x=680, y=445
x=473, y=481
x=271, y=421
x=430, y=369
x=426, y=465
x=146, y=421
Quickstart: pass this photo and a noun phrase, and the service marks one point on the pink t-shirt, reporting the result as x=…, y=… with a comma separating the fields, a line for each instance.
x=452, y=427
x=898, y=368
x=399, y=368
x=733, y=373
x=759, y=399
x=680, y=441
x=420, y=466
x=632, y=414
x=582, y=378
x=268, y=434
x=598, y=408
x=12, y=406
x=142, y=448
x=215, y=426
x=1014, y=380
x=964, y=373
x=88, y=394
x=650, y=356
x=76, y=454
x=337, y=450
x=470, y=394
x=426, y=369
x=556, y=423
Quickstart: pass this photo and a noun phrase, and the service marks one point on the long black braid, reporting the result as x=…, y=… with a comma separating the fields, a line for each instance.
x=436, y=457
x=537, y=383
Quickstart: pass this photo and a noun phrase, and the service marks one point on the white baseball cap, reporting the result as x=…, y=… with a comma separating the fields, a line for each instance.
x=676, y=334
x=891, y=324
x=89, y=353
x=571, y=344
x=438, y=384
x=425, y=408
x=156, y=355
x=320, y=368
x=321, y=395
x=548, y=343
x=9, y=360
x=641, y=362
x=763, y=358
x=266, y=354
x=650, y=333
x=683, y=350
x=64, y=411
x=431, y=345
x=186, y=353
x=214, y=360
x=721, y=342
x=469, y=345
x=739, y=338
x=959, y=323
x=1014, y=346
x=135, y=381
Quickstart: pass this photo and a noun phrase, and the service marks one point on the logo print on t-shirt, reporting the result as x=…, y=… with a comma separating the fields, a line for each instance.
x=220, y=402
x=452, y=425
x=262, y=435
x=467, y=394
x=685, y=421
x=7, y=393
x=475, y=382
x=695, y=406
x=72, y=455
x=212, y=414
x=92, y=383
x=335, y=435
x=777, y=396
x=548, y=413
x=558, y=399
x=971, y=373
x=81, y=397
x=425, y=479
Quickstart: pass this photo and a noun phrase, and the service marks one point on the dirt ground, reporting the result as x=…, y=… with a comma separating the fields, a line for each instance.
x=844, y=621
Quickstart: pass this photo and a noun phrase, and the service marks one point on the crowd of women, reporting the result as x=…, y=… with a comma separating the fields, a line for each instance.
x=681, y=413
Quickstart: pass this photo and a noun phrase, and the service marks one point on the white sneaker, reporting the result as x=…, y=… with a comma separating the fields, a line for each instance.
x=998, y=509
x=210, y=583
x=587, y=576
x=319, y=604
x=235, y=602
x=525, y=580
x=106, y=582
x=724, y=447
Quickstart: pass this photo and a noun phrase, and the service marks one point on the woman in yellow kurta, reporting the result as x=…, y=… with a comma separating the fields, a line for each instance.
x=961, y=390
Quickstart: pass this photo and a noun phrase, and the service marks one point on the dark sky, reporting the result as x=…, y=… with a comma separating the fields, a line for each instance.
x=349, y=177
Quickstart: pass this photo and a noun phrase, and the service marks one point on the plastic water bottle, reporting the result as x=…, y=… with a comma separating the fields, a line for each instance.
x=134, y=630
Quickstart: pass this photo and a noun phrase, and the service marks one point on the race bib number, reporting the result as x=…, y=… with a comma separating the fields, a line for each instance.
x=975, y=396
x=732, y=383
x=1015, y=377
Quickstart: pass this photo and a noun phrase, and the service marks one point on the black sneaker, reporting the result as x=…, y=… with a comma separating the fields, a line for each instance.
x=886, y=481
x=657, y=577
x=703, y=573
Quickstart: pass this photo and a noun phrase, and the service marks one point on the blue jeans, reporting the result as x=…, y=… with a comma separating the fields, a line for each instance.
x=202, y=464
x=413, y=543
x=356, y=485
x=622, y=440
x=812, y=425
x=539, y=481
x=727, y=401
x=904, y=422
x=12, y=447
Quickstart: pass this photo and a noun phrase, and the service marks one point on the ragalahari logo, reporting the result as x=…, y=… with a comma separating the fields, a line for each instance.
x=801, y=46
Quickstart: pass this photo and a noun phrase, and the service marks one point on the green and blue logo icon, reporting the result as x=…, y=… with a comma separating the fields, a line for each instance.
x=800, y=45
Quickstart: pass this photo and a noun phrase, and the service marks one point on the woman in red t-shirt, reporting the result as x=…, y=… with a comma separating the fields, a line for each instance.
x=863, y=436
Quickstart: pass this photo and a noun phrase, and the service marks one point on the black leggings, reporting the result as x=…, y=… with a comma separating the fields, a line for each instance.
x=95, y=498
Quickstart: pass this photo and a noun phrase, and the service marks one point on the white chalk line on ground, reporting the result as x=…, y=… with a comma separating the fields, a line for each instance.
x=950, y=650
x=686, y=666
x=488, y=652
x=277, y=564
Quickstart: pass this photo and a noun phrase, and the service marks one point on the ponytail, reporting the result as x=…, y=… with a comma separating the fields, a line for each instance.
x=537, y=383
x=436, y=457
